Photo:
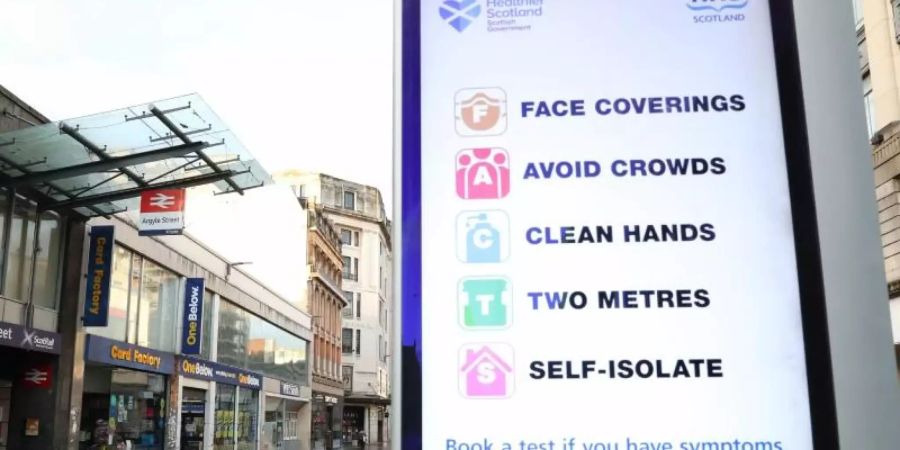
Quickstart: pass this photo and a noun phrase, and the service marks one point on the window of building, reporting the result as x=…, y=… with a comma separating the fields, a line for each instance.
x=348, y=310
x=380, y=347
x=158, y=307
x=291, y=425
x=206, y=325
x=358, y=341
x=381, y=313
x=32, y=253
x=251, y=342
x=143, y=303
x=347, y=340
x=247, y=417
x=870, y=107
x=346, y=237
x=858, y=13
x=358, y=305
x=896, y=7
x=350, y=200
x=351, y=268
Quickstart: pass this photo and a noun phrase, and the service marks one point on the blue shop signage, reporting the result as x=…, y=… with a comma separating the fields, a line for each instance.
x=193, y=316
x=117, y=353
x=99, y=269
x=220, y=373
x=12, y=335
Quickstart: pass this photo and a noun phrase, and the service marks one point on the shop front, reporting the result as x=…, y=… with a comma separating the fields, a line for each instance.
x=27, y=383
x=327, y=421
x=287, y=408
x=235, y=408
x=125, y=395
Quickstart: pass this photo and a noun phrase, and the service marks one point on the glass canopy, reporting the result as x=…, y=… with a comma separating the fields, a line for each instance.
x=99, y=164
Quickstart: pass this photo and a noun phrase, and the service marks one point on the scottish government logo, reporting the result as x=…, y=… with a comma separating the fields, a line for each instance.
x=499, y=15
x=460, y=14
x=710, y=11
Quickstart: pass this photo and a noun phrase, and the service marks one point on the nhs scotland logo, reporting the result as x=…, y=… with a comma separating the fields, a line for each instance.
x=711, y=11
x=460, y=14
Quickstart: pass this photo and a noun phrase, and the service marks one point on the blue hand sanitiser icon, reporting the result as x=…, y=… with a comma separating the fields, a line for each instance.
x=482, y=236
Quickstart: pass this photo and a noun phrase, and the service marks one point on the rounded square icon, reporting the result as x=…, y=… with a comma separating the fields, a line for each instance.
x=485, y=303
x=480, y=111
x=486, y=370
x=482, y=237
x=482, y=173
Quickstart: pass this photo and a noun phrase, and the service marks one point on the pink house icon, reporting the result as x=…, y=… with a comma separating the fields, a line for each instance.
x=485, y=373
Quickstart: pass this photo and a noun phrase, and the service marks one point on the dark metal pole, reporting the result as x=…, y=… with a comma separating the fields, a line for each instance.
x=36, y=248
x=98, y=151
x=7, y=235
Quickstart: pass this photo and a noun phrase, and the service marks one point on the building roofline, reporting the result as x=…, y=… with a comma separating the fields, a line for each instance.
x=21, y=103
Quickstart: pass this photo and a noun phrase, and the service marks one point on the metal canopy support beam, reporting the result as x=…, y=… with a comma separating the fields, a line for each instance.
x=187, y=133
x=136, y=191
x=184, y=138
x=98, y=151
x=55, y=187
x=148, y=115
x=119, y=162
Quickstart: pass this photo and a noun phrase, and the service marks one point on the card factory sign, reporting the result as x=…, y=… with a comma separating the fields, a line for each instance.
x=99, y=271
x=116, y=353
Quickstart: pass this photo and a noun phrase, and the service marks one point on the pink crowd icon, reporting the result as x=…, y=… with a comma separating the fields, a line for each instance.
x=482, y=173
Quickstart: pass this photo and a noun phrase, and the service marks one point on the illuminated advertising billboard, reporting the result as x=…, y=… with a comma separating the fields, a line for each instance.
x=609, y=239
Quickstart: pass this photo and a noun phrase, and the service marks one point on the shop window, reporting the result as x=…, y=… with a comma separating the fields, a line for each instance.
x=247, y=418
x=144, y=303
x=251, y=342
x=134, y=400
x=47, y=262
x=118, y=296
x=21, y=247
x=29, y=274
x=223, y=436
x=158, y=307
x=206, y=327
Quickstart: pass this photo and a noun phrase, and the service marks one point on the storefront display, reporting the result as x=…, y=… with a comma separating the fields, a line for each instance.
x=327, y=415
x=354, y=424
x=193, y=414
x=123, y=407
x=124, y=400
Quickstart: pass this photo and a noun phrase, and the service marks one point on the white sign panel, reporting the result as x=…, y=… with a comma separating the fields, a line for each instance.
x=608, y=254
x=162, y=212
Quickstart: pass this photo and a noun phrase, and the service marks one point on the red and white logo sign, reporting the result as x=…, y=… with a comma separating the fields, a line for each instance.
x=163, y=200
x=162, y=212
x=38, y=376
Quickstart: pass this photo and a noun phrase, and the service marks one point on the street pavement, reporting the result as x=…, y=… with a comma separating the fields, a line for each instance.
x=368, y=447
